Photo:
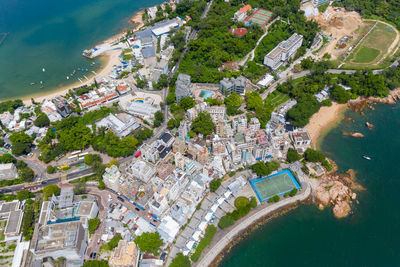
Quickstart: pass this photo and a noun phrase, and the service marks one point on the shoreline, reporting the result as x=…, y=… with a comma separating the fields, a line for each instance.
x=323, y=121
x=109, y=59
x=214, y=253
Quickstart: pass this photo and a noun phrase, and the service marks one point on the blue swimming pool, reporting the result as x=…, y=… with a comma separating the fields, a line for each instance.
x=205, y=94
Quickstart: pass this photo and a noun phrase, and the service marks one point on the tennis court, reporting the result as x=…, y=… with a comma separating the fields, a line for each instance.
x=259, y=17
x=276, y=184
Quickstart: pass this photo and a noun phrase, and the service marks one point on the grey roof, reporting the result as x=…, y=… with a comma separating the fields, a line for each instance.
x=213, y=197
x=12, y=223
x=180, y=242
x=194, y=223
x=143, y=34
x=188, y=232
x=219, y=213
x=148, y=52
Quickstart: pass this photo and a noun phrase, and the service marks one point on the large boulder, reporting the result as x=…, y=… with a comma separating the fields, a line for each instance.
x=341, y=209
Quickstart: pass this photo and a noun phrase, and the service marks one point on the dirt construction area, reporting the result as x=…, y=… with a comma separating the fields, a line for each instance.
x=348, y=37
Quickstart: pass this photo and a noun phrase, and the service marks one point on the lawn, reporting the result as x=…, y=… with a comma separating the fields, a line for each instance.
x=374, y=48
x=276, y=98
x=366, y=55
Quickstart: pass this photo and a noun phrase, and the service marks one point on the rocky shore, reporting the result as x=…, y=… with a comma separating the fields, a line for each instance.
x=337, y=190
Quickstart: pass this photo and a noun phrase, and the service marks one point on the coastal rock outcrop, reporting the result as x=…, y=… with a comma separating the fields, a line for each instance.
x=336, y=190
x=357, y=135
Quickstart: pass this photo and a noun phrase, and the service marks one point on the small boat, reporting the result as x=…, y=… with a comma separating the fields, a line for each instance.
x=41, y=87
x=32, y=83
x=41, y=82
x=366, y=157
x=43, y=69
x=67, y=77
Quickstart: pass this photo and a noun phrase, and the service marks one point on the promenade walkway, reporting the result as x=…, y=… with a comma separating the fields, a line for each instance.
x=225, y=237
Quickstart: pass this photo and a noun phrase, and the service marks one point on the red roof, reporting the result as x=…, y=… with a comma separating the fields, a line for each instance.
x=245, y=8
x=239, y=31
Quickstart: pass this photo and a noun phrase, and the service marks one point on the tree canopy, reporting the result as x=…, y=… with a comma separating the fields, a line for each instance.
x=50, y=190
x=180, y=261
x=203, y=124
x=149, y=242
x=42, y=120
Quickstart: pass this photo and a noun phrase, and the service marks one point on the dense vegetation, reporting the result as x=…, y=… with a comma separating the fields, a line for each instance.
x=361, y=84
x=215, y=184
x=216, y=45
x=180, y=261
x=203, y=124
x=243, y=206
x=10, y=105
x=93, y=225
x=149, y=242
x=204, y=242
x=28, y=220
x=265, y=168
x=72, y=133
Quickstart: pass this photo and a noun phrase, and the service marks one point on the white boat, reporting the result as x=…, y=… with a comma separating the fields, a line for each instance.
x=366, y=157
x=43, y=69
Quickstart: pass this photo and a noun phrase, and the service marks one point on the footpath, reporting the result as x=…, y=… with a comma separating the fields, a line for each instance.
x=225, y=237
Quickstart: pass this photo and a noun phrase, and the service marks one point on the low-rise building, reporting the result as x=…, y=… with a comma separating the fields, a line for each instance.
x=111, y=177
x=122, y=126
x=8, y=171
x=301, y=141
x=124, y=255
x=141, y=170
x=241, y=14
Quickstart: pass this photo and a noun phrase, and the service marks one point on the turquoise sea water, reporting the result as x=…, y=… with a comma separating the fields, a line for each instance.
x=370, y=236
x=52, y=35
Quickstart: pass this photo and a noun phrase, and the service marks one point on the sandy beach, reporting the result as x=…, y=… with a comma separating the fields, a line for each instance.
x=110, y=58
x=323, y=120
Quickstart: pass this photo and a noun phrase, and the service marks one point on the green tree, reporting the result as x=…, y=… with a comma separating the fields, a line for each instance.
x=171, y=123
x=254, y=101
x=42, y=120
x=292, y=155
x=24, y=194
x=91, y=159
x=253, y=202
x=233, y=100
x=314, y=155
x=203, y=124
x=7, y=158
x=180, y=261
x=215, y=184
x=51, y=169
x=226, y=221
x=149, y=242
x=21, y=143
x=27, y=174
x=50, y=190
x=187, y=103
x=93, y=224
x=340, y=94
x=158, y=118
